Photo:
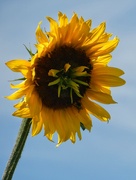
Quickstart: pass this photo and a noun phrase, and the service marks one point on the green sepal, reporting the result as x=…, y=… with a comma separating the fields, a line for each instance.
x=29, y=51
x=20, y=79
x=82, y=126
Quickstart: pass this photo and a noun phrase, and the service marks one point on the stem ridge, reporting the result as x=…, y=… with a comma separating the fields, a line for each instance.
x=17, y=149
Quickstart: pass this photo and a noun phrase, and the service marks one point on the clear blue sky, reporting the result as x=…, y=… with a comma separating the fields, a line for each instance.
x=109, y=151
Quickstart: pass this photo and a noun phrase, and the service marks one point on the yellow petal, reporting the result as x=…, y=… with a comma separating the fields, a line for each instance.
x=108, y=80
x=63, y=20
x=84, y=29
x=74, y=20
x=96, y=33
x=29, y=92
x=66, y=124
x=20, y=85
x=23, y=113
x=73, y=137
x=49, y=136
x=83, y=117
x=37, y=125
x=48, y=121
x=104, y=37
x=19, y=66
x=53, y=26
x=17, y=94
x=104, y=48
x=70, y=127
x=98, y=87
x=104, y=60
x=73, y=24
x=100, y=97
x=44, y=116
x=41, y=48
x=99, y=70
x=60, y=126
x=67, y=32
x=96, y=110
x=40, y=35
x=21, y=105
x=89, y=23
x=23, y=84
x=34, y=103
x=75, y=123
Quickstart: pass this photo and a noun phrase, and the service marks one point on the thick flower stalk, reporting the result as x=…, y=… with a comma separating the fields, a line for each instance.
x=65, y=78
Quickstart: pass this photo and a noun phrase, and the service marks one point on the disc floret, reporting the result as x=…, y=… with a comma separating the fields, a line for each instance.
x=69, y=78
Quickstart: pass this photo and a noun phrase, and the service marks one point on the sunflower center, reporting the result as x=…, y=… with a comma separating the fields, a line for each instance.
x=62, y=77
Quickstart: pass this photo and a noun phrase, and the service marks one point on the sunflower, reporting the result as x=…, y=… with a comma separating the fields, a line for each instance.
x=65, y=77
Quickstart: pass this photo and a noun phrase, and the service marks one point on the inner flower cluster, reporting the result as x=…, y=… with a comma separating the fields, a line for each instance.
x=62, y=77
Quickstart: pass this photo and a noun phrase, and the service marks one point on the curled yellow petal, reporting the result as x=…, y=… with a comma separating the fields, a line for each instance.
x=96, y=110
x=100, y=97
x=40, y=35
x=19, y=66
x=23, y=113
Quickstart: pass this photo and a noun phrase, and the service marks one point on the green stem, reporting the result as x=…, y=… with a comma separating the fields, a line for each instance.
x=17, y=150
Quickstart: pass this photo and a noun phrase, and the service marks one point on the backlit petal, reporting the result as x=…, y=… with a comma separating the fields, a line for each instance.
x=18, y=94
x=37, y=125
x=40, y=35
x=100, y=97
x=108, y=80
x=19, y=66
x=96, y=110
x=107, y=71
x=23, y=113
x=34, y=103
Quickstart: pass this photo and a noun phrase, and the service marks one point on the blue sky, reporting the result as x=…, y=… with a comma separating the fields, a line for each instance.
x=109, y=151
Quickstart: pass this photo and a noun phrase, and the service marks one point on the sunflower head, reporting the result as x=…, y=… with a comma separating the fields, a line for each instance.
x=65, y=77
